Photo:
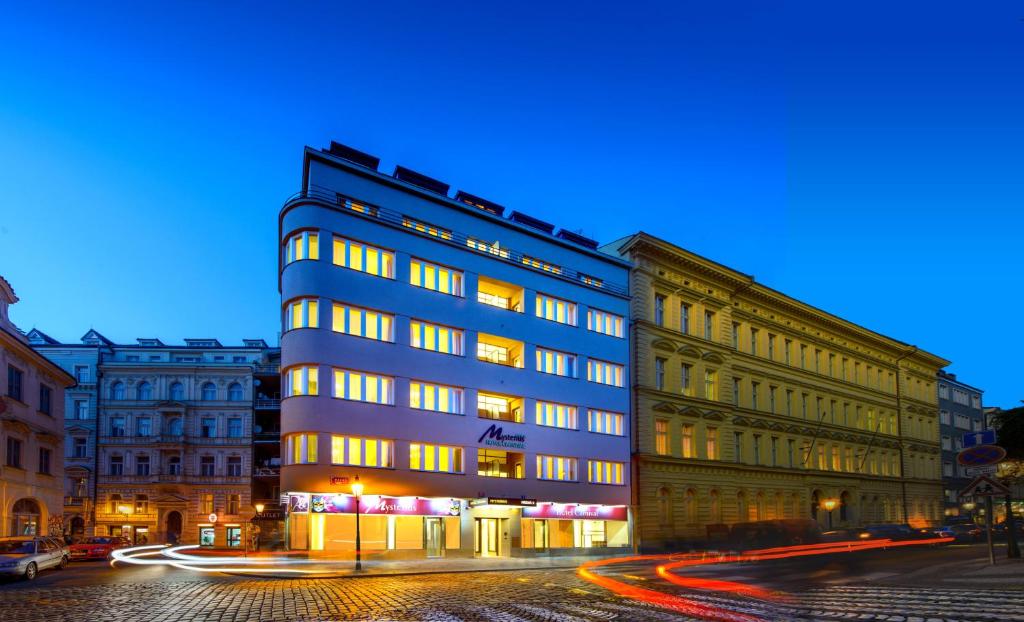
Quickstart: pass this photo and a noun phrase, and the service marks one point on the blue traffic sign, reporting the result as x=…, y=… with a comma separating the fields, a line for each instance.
x=984, y=437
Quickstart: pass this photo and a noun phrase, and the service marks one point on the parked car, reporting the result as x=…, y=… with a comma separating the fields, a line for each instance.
x=96, y=547
x=999, y=529
x=25, y=556
x=893, y=532
x=964, y=532
x=839, y=535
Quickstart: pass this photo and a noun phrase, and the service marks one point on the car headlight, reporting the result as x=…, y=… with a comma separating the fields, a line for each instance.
x=864, y=536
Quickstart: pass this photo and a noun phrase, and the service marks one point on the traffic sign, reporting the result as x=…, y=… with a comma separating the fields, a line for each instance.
x=984, y=437
x=983, y=486
x=986, y=469
x=980, y=455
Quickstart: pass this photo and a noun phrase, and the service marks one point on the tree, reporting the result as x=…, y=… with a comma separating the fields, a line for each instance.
x=1009, y=425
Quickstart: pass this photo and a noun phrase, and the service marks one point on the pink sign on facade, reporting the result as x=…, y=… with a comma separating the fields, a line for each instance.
x=571, y=510
x=375, y=504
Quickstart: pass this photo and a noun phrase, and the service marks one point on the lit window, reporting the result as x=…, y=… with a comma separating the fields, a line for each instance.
x=301, y=313
x=435, y=338
x=686, y=373
x=541, y=265
x=435, y=458
x=712, y=443
x=356, y=451
x=434, y=277
x=501, y=407
x=556, y=415
x=363, y=387
x=364, y=258
x=423, y=227
x=605, y=323
x=498, y=350
x=603, y=372
x=302, y=245
x=300, y=448
x=557, y=363
x=499, y=294
x=710, y=385
x=484, y=247
x=356, y=206
x=604, y=422
x=436, y=397
x=661, y=437
x=688, y=447
x=556, y=309
x=592, y=281
x=605, y=472
x=362, y=322
x=301, y=380
x=557, y=468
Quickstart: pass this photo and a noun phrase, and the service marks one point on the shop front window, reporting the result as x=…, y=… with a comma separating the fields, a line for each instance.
x=234, y=536
x=206, y=536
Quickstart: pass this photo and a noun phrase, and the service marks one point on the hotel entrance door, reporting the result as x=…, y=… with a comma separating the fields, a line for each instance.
x=488, y=537
x=433, y=536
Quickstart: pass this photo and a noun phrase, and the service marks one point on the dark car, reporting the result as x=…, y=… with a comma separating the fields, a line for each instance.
x=892, y=532
x=965, y=532
x=772, y=533
x=840, y=535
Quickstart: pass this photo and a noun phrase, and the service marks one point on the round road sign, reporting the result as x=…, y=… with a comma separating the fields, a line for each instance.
x=981, y=455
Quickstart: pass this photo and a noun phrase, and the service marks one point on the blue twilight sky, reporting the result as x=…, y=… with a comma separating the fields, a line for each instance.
x=867, y=159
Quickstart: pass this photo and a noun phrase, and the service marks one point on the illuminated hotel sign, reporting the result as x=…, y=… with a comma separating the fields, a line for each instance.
x=502, y=501
x=494, y=436
x=373, y=504
x=571, y=510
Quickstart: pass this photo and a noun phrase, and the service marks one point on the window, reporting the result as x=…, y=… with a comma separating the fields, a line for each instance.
x=947, y=469
x=555, y=309
x=541, y=265
x=592, y=281
x=364, y=258
x=499, y=294
x=206, y=465
x=787, y=347
x=736, y=391
x=789, y=402
x=435, y=458
x=603, y=372
x=556, y=415
x=117, y=465
x=736, y=335
x=300, y=448
x=141, y=504
x=605, y=323
x=686, y=374
x=753, y=340
x=775, y=450
x=500, y=407
x=754, y=389
x=209, y=392
x=832, y=364
x=944, y=417
x=738, y=443
x=174, y=427
x=497, y=463
x=302, y=313
x=174, y=465
x=82, y=373
x=436, y=338
x=605, y=472
x=117, y=426
x=208, y=427
x=44, y=460
x=604, y=422
x=848, y=459
x=434, y=277
x=114, y=502
x=363, y=387
x=659, y=309
x=710, y=384
x=709, y=325
x=142, y=465
x=302, y=245
x=962, y=421
x=143, y=426
x=45, y=394
x=234, y=469
x=684, y=318
x=144, y=391
x=557, y=363
x=423, y=227
x=301, y=381
x=712, y=443
x=116, y=389
x=803, y=356
x=557, y=468
x=771, y=346
x=436, y=397
x=688, y=445
x=234, y=503
x=661, y=437
x=235, y=427
x=771, y=398
x=498, y=350
x=357, y=451
x=206, y=503
x=177, y=392
x=659, y=374
x=756, y=446
x=362, y=322
x=81, y=409
x=790, y=453
x=235, y=393
x=80, y=448
x=485, y=247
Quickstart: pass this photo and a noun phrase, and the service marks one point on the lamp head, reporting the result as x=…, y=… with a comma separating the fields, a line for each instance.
x=357, y=487
x=259, y=508
x=830, y=504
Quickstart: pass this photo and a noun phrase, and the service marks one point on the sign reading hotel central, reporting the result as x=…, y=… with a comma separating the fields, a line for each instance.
x=494, y=436
x=557, y=510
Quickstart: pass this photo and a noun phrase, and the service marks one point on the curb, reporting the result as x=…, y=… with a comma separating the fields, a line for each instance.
x=404, y=573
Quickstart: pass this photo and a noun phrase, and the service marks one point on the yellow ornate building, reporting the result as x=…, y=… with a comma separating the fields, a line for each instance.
x=751, y=405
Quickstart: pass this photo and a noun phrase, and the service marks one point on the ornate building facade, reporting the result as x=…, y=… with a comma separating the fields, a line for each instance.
x=751, y=405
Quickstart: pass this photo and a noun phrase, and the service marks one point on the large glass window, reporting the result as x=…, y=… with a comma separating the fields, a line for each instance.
x=436, y=397
x=501, y=407
x=499, y=350
x=435, y=458
x=605, y=472
x=497, y=463
x=555, y=309
x=556, y=415
x=499, y=294
x=356, y=451
x=362, y=322
x=603, y=372
x=605, y=323
x=435, y=338
x=604, y=422
x=486, y=247
x=300, y=448
x=558, y=468
x=301, y=313
x=557, y=363
x=301, y=380
x=363, y=387
x=363, y=258
x=434, y=277
x=429, y=229
x=302, y=245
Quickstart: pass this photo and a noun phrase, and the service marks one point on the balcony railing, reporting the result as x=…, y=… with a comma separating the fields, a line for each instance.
x=70, y=501
x=267, y=369
x=268, y=471
x=267, y=404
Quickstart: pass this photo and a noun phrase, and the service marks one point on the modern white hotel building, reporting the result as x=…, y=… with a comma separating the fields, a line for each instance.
x=469, y=366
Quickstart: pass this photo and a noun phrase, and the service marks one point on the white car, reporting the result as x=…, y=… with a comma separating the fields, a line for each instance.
x=25, y=556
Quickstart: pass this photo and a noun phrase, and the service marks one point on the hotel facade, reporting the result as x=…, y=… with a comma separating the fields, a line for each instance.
x=469, y=367
x=751, y=405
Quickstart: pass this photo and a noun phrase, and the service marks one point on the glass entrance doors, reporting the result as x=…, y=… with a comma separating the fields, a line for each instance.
x=433, y=536
x=488, y=537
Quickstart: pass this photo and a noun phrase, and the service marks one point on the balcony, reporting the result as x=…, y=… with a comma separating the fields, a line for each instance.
x=267, y=404
x=499, y=407
x=505, y=464
x=267, y=370
x=219, y=440
x=75, y=502
x=499, y=350
x=267, y=436
x=268, y=471
x=499, y=294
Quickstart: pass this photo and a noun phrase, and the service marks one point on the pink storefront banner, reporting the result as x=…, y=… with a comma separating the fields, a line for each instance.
x=572, y=510
x=375, y=504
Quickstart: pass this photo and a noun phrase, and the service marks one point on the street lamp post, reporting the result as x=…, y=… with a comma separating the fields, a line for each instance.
x=357, y=492
x=829, y=504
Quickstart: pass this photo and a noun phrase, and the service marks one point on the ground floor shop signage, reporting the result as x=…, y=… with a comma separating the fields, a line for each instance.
x=566, y=510
x=502, y=501
x=373, y=504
